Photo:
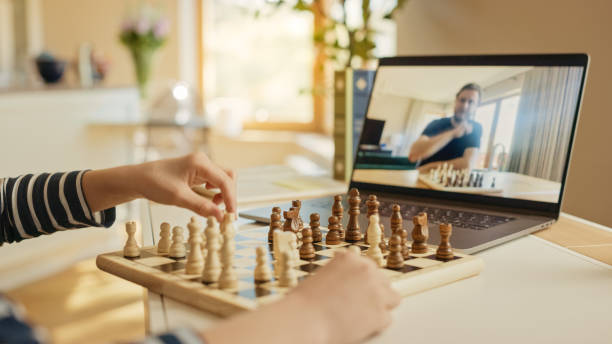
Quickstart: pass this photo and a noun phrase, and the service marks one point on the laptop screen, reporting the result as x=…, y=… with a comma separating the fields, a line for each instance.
x=502, y=131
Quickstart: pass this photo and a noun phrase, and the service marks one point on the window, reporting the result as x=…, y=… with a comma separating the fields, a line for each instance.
x=497, y=118
x=258, y=68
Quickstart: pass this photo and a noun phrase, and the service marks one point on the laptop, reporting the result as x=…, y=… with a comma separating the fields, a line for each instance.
x=481, y=142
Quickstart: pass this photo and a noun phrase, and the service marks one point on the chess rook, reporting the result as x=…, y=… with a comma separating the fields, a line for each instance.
x=445, y=251
x=131, y=249
x=420, y=233
x=353, y=233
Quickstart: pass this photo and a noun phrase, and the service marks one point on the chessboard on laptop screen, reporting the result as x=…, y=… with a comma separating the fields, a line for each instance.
x=492, y=130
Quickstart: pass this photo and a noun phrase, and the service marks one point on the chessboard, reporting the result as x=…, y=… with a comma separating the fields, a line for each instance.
x=167, y=276
x=447, y=178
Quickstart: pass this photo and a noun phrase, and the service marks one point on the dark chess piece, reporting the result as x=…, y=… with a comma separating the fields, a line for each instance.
x=291, y=224
x=333, y=235
x=353, y=233
x=297, y=205
x=383, y=243
x=445, y=251
x=372, y=203
x=395, y=260
x=493, y=183
x=314, y=226
x=275, y=223
x=307, y=250
x=420, y=233
x=396, y=219
x=338, y=211
x=405, y=248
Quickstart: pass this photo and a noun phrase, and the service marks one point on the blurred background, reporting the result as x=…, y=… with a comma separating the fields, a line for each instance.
x=93, y=84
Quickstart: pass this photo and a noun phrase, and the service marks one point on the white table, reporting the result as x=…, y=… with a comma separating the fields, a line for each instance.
x=530, y=291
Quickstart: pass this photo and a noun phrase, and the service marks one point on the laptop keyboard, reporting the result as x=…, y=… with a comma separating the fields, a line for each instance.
x=458, y=218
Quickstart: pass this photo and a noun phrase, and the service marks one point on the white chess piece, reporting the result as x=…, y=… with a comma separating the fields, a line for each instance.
x=228, y=279
x=212, y=266
x=287, y=276
x=177, y=249
x=262, y=271
x=374, y=231
x=163, y=246
x=195, y=261
x=131, y=249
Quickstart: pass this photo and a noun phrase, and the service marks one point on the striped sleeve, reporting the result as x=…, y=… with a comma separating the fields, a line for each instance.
x=36, y=204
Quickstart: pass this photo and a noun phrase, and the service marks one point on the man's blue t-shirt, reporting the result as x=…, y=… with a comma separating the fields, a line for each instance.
x=455, y=148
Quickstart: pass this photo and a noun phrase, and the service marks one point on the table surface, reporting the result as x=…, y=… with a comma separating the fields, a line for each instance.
x=530, y=290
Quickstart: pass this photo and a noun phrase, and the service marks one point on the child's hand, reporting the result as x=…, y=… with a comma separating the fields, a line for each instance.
x=170, y=181
x=352, y=297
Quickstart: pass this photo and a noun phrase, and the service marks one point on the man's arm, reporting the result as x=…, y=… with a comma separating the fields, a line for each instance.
x=426, y=146
x=468, y=160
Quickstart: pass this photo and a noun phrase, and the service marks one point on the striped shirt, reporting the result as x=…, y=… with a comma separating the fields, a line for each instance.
x=37, y=204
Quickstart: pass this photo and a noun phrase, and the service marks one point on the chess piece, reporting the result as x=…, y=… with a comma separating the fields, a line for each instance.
x=372, y=204
x=445, y=251
x=353, y=233
x=291, y=224
x=333, y=236
x=164, y=238
x=131, y=249
x=212, y=266
x=287, y=276
x=195, y=229
x=338, y=211
x=195, y=261
x=420, y=233
x=374, y=251
x=277, y=210
x=314, y=226
x=395, y=260
x=297, y=206
x=262, y=271
x=293, y=248
x=228, y=278
x=396, y=219
x=355, y=249
x=405, y=248
x=211, y=221
x=383, y=242
x=284, y=242
x=493, y=183
x=275, y=223
x=177, y=249
x=307, y=250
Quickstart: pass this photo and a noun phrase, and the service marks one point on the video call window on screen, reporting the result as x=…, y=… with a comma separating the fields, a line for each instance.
x=492, y=130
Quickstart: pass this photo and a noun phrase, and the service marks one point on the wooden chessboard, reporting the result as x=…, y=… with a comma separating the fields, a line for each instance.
x=166, y=276
x=464, y=189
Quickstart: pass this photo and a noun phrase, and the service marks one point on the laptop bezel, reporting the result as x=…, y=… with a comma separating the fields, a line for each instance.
x=543, y=208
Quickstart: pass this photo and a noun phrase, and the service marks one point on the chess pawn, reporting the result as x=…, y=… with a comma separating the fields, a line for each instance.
x=420, y=233
x=405, y=248
x=212, y=266
x=262, y=271
x=383, y=242
x=195, y=261
x=395, y=260
x=396, y=219
x=314, y=226
x=353, y=233
x=275, y=223
x=307, y=250
x=338, y=211
x=163, y=246
x=333, y=236
x=287, y=277
x=445, y=251
x=177, y=249
x=131, y=249
x=374, y=251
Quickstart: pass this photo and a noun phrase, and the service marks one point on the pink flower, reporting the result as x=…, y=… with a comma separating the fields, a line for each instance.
x=161, y=28
x=142, y=26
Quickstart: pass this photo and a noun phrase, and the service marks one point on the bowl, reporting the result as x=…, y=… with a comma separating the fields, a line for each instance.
x=51, y=71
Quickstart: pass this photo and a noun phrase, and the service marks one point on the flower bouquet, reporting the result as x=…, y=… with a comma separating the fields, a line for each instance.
x=144, y=33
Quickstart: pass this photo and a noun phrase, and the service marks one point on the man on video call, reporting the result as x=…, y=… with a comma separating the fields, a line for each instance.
x=454, y=140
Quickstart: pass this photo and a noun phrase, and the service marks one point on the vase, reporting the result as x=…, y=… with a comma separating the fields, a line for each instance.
x=143, y=58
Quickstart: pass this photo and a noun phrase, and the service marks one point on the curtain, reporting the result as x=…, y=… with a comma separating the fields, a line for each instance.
x=544, y=122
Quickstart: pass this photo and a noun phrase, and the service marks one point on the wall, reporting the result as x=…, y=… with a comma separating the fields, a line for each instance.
x=68, y=23
x=526, y=26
